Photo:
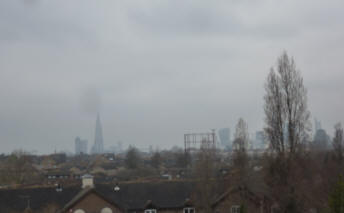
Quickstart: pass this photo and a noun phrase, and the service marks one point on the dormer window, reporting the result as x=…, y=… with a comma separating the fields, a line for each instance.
x=58, y=188
x=150, y=211
x=189, y=210
x=106, y=210
x=235, y=209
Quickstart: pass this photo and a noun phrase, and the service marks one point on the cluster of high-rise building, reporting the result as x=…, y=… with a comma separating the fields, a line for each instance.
x=256, y=140
x=225, y=138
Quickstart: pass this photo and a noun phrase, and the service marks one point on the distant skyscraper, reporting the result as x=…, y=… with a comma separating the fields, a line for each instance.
x=80, y=146
x=225, y=137
x=321, y=139
x=317, y=125
x=98, y=146
x=260, y=140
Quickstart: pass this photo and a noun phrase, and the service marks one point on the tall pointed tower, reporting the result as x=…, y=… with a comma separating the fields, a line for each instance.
x=98, y=146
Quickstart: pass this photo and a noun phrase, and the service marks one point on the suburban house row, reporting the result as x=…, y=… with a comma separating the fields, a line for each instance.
x=135, y=197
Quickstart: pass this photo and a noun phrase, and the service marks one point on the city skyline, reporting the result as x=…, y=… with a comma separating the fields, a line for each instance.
x=155, y=74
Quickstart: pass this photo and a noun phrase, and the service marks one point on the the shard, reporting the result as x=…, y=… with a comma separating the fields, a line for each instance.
x=98, y=146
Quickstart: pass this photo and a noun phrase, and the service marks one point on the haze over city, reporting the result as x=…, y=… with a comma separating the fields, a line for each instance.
x=155, y=70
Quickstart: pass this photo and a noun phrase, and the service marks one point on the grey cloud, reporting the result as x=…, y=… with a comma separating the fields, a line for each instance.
x=33, y=21
x=156, y=70
x=178, y=17
x=90, y=100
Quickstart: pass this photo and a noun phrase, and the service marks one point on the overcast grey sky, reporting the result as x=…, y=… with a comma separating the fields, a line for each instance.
x=157, y=69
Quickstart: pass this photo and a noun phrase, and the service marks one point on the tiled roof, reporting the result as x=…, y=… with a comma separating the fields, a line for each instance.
x=161, y=194
x=131, y=196
x=18, y=199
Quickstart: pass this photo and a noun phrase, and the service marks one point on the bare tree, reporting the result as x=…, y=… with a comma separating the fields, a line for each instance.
x=241, y=135
x=204, y=171
x=287, y=129
x=240, y=159
x=286, y=113
x=18, y=169
x=338, y=142
x=156, y=160
x=182, y=159
x=132, y=159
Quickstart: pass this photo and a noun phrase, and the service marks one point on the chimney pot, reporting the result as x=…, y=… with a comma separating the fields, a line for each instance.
x=87, y=181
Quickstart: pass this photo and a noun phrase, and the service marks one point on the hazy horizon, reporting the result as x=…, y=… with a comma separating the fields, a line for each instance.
x=156, y=70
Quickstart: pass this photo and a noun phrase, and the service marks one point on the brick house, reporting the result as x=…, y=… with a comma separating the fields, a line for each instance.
x=89, y=200
x=240, y=197
x=142, y=197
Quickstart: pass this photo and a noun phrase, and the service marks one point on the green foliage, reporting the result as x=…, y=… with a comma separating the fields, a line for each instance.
x=336, y=201
x=243, y=208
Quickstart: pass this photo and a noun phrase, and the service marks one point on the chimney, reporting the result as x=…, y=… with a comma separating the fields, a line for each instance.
x=87, y=181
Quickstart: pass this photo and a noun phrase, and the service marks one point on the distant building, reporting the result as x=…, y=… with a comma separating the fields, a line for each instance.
x=116, y=149
x=260, y=141
x=80, y=146
x=317, y=125
x=321, y=139
x=98, y=146
x=225, y=137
